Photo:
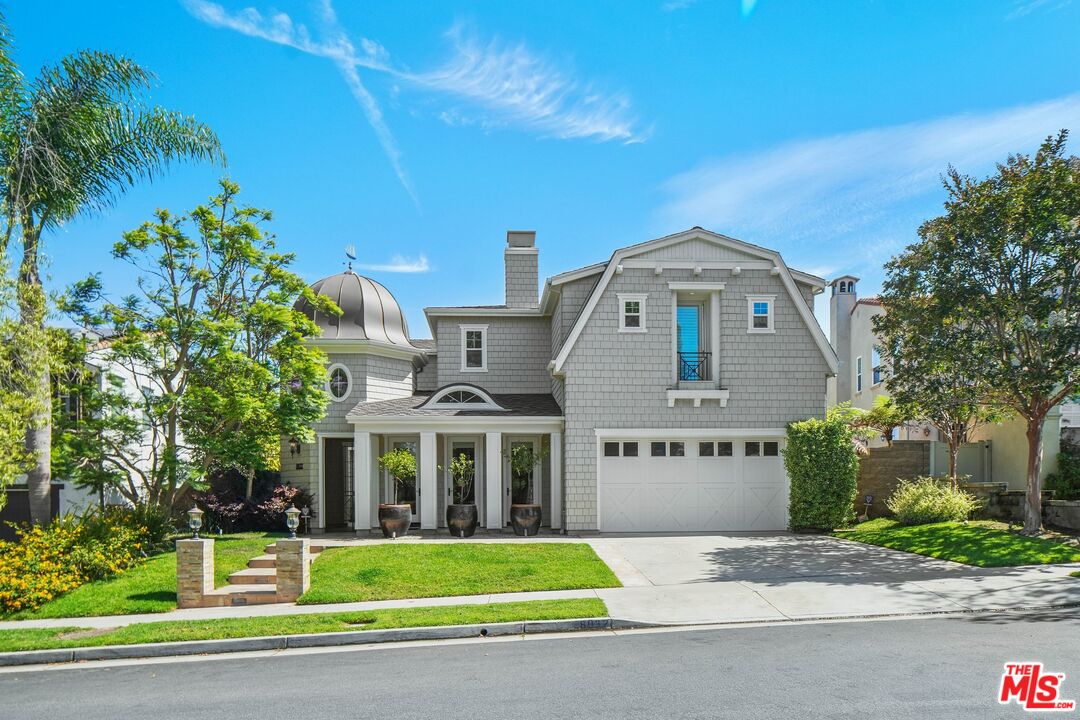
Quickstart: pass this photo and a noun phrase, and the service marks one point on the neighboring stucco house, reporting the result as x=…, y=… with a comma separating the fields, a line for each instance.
x=996, y=453
x=657, y=386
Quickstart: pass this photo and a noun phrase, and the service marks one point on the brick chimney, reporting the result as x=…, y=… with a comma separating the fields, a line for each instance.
x=522, y=277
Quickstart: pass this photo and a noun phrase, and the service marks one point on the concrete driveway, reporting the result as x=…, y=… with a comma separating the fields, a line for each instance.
x=767, y=577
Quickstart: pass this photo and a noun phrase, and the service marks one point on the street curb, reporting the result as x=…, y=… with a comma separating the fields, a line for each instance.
x=283, y=642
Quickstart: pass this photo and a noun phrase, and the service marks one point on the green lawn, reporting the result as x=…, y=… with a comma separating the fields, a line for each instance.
x=171, y=631
x=150, y=587
x=393, y=571
x=981, y=543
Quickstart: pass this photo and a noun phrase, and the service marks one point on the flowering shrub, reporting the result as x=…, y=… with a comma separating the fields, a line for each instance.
x=45, y=562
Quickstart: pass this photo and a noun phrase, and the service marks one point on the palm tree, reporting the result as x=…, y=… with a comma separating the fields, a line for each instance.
x=73, y=140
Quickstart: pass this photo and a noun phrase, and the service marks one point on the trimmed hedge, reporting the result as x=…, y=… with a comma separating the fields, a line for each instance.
x=823, y=467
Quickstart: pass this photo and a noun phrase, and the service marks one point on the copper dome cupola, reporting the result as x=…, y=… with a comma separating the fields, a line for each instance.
x=369, y=311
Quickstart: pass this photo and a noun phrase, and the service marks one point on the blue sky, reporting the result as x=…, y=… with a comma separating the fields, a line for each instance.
x=421, y=132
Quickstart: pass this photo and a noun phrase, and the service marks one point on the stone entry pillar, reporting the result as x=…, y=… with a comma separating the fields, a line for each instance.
x=292, y=562
x=194, y=572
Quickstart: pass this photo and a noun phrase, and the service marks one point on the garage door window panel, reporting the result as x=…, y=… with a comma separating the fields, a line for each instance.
x=611, y=449
x=629, y=449
x=724, y=449
x=705, y=449
x=677, y=449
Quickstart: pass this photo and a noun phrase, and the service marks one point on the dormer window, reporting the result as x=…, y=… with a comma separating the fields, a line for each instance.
x=461, y=397
x=760, y=313
x=631, y=313
x=474, y=348
x=339, y=382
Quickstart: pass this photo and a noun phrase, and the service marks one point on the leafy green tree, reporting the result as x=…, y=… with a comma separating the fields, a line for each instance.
x=884, y=417
x=1002, y=270
x=214, y=341
x=922, y=343
x=72, y=140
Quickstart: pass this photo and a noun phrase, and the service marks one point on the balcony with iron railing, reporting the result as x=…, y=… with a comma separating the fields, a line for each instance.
x=695, y=367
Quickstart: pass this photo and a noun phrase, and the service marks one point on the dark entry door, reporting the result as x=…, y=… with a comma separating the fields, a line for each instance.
x=337, y=467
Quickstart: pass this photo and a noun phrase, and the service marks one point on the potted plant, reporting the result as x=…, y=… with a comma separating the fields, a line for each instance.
x=461, y=516
x=525, y=514
x=394, y=518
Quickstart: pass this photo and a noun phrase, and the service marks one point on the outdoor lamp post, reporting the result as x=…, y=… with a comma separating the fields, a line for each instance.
x=194, y=521
x=306, y=515
x=294, y=446
x=292, y=521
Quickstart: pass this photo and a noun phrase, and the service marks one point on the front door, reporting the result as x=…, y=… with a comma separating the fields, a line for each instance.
x=522, y=486
x=468, y=493
x=337, y=482
x=403, y=492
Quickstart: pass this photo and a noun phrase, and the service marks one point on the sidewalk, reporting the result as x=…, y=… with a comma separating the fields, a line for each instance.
x=696, y=603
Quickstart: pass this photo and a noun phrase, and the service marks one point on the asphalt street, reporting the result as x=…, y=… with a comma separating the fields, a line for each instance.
x=908, y=668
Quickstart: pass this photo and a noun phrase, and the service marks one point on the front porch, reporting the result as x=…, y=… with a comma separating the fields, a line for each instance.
x=351, y=484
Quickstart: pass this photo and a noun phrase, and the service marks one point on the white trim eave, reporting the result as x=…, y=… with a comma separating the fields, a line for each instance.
x=572, y=275
x=696, y=286
x=481, y=312
x=785, y=277
x=691, y=432
x=807, y=279
x=369, y=347
x=456, y=423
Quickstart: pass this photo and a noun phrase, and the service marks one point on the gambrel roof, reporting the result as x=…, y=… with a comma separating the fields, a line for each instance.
x=786, y=275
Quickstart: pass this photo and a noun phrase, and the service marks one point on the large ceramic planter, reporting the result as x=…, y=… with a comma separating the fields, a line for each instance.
x=461, y=520
x=525, y=519
x=394, y=520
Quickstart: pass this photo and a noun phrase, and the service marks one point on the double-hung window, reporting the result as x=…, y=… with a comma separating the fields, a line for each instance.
x=759, y=310
x=876, y=366
x=858, y=374
x=631, y=313
x=474, y=348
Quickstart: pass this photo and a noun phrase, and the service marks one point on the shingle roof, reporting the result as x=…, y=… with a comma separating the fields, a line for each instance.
x=424, y=344
x=515, y=404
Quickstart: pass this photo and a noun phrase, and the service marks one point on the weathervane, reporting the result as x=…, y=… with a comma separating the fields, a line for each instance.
x=350, y=252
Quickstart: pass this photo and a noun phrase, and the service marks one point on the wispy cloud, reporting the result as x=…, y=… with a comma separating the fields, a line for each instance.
x=400, y=264
x=279, y=28
x=520, y=87
x=844, y=182
x=847, y=202
x=508, y=84
x=1021, y=8
x=745, y=6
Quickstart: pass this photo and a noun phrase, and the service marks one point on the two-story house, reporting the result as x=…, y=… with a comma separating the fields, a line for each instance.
x=996, y=452
x=656, y=386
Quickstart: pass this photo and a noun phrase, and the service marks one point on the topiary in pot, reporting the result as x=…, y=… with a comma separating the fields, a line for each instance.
x=461, y=516
x=395, y=518
x=525, y=514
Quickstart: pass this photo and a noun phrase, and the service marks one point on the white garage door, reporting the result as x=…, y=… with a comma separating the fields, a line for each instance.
x=696, y=484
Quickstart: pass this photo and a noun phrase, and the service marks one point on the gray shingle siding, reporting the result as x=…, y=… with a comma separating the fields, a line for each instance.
x=521, y=278
x=619, y=380
x=519, y=349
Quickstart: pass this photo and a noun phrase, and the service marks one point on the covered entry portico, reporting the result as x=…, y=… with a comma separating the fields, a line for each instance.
x=435, y=431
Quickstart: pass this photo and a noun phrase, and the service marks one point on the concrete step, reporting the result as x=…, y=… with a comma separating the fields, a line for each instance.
x=253, y=576
x=244, y=595
x=262, y=561
x=313, y=549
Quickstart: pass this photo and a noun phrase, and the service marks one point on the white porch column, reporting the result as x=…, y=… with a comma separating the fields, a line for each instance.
x=493, y=486
x=556, y=480
x=429, y=494
x=362, y=481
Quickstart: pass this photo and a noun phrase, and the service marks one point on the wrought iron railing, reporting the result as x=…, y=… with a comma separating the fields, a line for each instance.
x=694, y=366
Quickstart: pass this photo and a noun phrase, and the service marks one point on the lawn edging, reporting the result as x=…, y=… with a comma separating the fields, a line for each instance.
x=285, y=642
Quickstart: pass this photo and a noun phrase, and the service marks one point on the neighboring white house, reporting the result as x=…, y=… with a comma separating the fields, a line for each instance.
x=997, y=453
x=657, y=385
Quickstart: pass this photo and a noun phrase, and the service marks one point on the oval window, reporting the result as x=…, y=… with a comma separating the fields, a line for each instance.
x=339, y=383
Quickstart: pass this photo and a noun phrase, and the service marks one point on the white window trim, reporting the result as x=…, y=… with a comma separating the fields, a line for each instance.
x=483, y=348
x=750, y=300
x=639, y=298
x=348, y=390
x=435, y=402
x=858, y=374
